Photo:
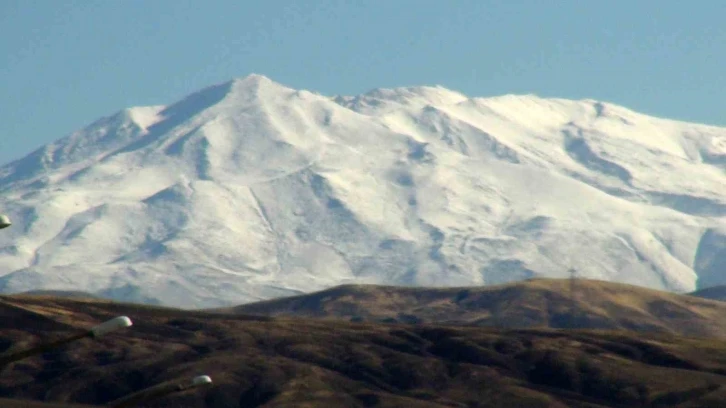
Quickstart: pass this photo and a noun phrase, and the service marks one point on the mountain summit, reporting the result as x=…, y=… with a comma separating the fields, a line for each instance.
x=249, y=190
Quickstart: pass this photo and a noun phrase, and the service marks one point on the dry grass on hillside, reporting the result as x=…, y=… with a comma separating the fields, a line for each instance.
x=303, y=362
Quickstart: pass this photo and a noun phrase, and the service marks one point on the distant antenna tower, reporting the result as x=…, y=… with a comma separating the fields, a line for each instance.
x=573, y=293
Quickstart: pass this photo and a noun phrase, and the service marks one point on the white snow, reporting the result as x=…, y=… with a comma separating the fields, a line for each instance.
x=248, y=190
x=145, y=116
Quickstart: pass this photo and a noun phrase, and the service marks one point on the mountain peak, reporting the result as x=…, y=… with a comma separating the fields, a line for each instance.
x=255, y=84
x=233, y=92
x=253, y=79
x=424, y=91
x=384, y=100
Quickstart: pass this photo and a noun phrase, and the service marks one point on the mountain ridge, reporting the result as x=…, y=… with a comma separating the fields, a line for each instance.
x=535, y=303
x=249, y=190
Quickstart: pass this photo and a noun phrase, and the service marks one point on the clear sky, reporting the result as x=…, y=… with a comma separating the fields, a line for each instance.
x=64, y=64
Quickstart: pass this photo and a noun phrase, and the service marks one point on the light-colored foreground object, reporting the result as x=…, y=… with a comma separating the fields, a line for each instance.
x=5, y=221
x=201, y=380
x=159, y=391
x=108, y=326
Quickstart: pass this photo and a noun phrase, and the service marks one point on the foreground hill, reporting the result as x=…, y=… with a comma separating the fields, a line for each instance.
x=302, y=362
x=24, y=403
x=61, y=293
x=533, y=303
x=250, y=190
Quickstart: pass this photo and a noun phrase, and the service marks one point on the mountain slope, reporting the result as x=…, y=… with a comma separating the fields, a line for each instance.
x=537, y=303
x=250, y=190
x=713, y=293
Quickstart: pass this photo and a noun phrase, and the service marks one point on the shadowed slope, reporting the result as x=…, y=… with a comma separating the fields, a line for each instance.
x=21, y=403
x=61, y=293
x=713, y=293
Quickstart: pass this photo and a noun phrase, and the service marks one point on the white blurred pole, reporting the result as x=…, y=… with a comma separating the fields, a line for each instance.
x=158, y=391
x=120, y=322
x=102, y=329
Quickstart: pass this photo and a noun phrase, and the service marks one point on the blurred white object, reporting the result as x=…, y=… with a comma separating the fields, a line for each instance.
x=4, y=221
x=108, y=326
x=201, y=380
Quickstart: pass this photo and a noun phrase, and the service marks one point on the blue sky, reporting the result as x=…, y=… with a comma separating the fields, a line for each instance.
x=64, y=64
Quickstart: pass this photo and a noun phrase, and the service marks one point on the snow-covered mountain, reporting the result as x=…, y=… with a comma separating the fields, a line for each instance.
x=250, y=190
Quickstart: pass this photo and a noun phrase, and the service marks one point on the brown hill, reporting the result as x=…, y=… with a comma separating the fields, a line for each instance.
x=302, y=362
x=21, y=403
x=62, y=293
x=528, y=304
